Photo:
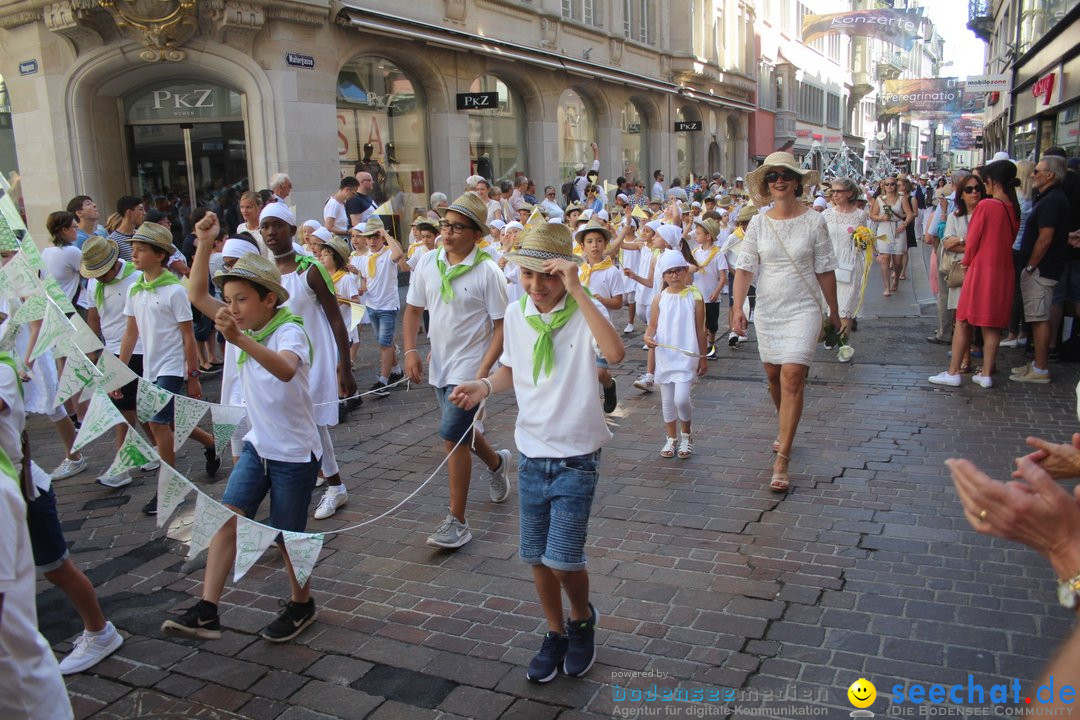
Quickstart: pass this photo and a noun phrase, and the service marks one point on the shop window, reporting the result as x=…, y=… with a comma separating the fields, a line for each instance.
x=1068, y=130
x=577, y=132
x=635, y=142
x=8, y=161
x=497, y=135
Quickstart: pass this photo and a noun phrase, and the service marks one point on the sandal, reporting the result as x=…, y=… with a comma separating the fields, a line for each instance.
x=669, y=448
x=776, y=445
x=779, y=482
x=686, y=448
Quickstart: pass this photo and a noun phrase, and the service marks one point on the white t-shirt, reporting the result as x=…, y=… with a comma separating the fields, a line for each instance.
x=158, y=315
x=63, y=264
x=381, y=291
x=608, y=283
x=111, y=313
x=460, y=331
x=281, y=414
x=713, y=271
x=561, y=417
x=31, y=687
x=336, y=210
x=12, y=424
x=347, y=287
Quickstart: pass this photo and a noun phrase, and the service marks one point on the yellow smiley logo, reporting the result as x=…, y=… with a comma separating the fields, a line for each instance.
x=862, y=693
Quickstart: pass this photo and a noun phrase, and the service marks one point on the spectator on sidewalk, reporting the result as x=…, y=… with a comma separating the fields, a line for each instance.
x=335, y=218
x=361, y=205
x=280, y=187
x=86, y=212
x=132, y=213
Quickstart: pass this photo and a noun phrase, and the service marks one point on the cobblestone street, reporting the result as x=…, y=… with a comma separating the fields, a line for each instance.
x=702, y=577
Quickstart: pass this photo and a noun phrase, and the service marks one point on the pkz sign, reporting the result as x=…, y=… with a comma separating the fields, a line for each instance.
x=172, y=101
x=478, y=101
x=687, y=126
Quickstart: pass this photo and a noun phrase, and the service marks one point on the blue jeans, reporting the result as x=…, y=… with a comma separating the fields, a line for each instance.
x=383, y=323
x=555, y=496
x=290, y=486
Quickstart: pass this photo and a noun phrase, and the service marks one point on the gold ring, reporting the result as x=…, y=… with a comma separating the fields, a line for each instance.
x=982, y=516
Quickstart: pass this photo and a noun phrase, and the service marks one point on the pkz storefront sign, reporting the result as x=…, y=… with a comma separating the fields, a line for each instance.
x=687, y=126
x=182, y=101
x=478, y=101
x=298, y=60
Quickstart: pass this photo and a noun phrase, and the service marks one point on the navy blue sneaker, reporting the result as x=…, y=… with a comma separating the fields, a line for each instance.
x=545, y=664
x=581, y=652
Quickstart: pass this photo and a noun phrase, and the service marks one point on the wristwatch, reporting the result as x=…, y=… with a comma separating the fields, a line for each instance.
x=193, y=375
x=1069, y=592
x=1029, y=269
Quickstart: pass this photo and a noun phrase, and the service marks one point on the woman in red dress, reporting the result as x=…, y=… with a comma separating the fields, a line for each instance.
x=987, y=293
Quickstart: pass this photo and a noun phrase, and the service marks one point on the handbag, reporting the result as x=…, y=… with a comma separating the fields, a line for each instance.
x=845, y=272
x=952, y=268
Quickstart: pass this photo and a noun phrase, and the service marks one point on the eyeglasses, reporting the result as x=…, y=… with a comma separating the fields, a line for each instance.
x=774, y=175
x=674, y=271
x=888, y=184
x=455, y=227
x=550, y=193
x=973, y=189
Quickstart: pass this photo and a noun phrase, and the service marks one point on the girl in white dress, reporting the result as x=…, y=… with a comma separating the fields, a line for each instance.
x=842, y=218
x=676, y=333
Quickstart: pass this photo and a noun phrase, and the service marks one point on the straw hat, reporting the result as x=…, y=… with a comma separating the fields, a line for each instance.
x=746, y=214
x=542, y=243
x=426, y=223
x=471, y=206
x=710, y=226
x=337, y=244
x=373, y=226
x=98, y=256
x=755, y=181
x=8, y=241
x=571, y=208
x=725, y=202
x=258, y=270
x=595, y=224
x=157, y=235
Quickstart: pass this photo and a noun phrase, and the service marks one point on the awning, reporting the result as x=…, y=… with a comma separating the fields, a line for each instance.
x=352, y=15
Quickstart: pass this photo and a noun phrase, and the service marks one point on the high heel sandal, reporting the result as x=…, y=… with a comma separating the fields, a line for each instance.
x=779, y=482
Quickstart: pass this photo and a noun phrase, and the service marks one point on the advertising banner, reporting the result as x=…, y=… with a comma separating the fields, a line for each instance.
x=928, y=96
x=899, y=27
x=964, y=131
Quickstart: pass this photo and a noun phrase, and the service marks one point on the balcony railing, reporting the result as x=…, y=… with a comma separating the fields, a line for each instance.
x=980, y=19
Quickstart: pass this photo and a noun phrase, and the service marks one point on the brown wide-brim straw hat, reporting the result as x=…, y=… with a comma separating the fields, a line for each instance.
x=746, y=214
x=755, y=181
x=541, y=243
x=337, y=244
x=426, y=223
x=373, y=226
x=258, y=270
x=98, y=256
x=595, y=224
x=710, y=226
x=725, y=201
x=471, y=206
x=157, y=235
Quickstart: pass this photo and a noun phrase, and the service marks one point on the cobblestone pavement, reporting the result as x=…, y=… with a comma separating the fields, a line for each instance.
x=703, y=578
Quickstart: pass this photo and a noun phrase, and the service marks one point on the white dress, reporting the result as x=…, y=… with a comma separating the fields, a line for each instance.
x=891, y=244
x=39, y=392
x=788, y=316
x=323, y=377
x=677, y=326
x=841, y=225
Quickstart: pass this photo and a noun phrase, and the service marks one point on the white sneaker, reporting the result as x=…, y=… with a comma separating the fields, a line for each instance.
x=944, y=378
x=450, y=534
x=69, y=467
x=90, y=649
x=628, y=329
x=644, y=383
x=331, y=501
x=982, y=380
x=151, y=466
x=114, y=481
x=500, y=479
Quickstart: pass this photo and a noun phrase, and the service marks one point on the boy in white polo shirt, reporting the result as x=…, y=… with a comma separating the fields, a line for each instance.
x=159, y=314
x=464, y=290
x=380, y=293
x=551, y=338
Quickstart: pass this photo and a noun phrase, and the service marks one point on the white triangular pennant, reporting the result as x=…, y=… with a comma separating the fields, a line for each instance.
x=186, y=416
x=252, y=539
x=32, y=309
x=24, y=279
x=85, y=338
x=356, y=315
x=134, y=453
x=226, y=418
x=31, y=253
x=100, y=416
x=114, y=374
x=78, y=373
x=57, y=294
x=172, y=489
x=210, y=515
x=53, y=327
x=7, y=288
x=303, y=549
x=149, y=399
x=8, y=209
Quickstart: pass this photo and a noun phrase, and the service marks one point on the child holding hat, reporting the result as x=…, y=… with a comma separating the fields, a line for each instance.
x=379, y=288
x=281, y=451
x=549, y=359
x=607, y=284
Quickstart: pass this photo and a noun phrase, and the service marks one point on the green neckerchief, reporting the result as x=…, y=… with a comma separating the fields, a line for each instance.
x=7, y=359
x=282, y=316
x=165, y=279
x=455, y=271
x=544, y=348
x=303, y=262
x=99, y=289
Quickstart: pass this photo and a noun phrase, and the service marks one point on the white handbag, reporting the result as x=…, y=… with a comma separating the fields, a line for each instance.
x=845, y=272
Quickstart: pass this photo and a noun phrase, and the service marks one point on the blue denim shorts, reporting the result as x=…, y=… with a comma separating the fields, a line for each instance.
x=173, y=384
x=556, y=495
x=290, y=486
x=455, y=422
x=383, y=323
x=46, y=538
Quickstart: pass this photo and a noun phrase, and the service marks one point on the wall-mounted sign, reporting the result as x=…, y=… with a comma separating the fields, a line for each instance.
x=1044, y=88
x=28, y=67
x=478, y=101
x=298, y=60
x=687, y=126
x=987, y=83
x=182, y=100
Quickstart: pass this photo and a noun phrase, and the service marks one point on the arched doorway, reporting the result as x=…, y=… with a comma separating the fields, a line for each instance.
x=714, y=158
x=635, y=142
x=577, y=131
x=497, y=135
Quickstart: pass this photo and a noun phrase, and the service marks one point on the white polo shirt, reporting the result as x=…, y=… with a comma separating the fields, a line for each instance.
x=281, y=414
x=381, y=292
x=713, y=271
x=158, y=315
x=111, y=312
x=335, y=209
x=461, y=330
x=608, y=283
x=559, y=415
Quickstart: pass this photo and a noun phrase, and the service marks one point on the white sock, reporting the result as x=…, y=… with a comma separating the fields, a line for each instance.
x=336, y=489
x=1038, y=370
x=382, y=379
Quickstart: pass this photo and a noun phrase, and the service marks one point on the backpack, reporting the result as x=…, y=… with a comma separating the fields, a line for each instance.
x=568, y=192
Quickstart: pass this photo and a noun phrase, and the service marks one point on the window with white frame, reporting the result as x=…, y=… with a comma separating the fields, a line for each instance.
x=583, y=11
x=766, y=86
x=637, y=20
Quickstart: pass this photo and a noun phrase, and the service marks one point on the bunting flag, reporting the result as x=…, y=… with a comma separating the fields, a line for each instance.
x=210, y=515
x=303, y=549
x=186, y=416
x=640, y=213
x=150, y=399
x=135, y=452
x=79, y=373
x=24, y=279
x=100, y=416
x=33, y=308
x=7, y=288
x=172, y=490
x=608, y=187
x=114, y=374
x=385, y=209
x=252, y=539
x=357, y=315
x=57, y=294
x=226, y=419
x=7, y=341
x=31, y=254
x=535, y=218
x=85, y=339
x=53, y=327
x=8, y=209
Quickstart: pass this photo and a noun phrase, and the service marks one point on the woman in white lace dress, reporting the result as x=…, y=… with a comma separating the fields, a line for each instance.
x=789, y=250
x=842, y=219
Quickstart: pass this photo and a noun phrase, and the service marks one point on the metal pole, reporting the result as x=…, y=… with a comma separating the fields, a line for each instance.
x=190, y=165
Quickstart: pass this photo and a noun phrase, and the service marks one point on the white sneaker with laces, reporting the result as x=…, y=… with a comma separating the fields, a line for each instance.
x=450, y=534
x=500, y=478
x=628, y=329
x=90, y=649
x=944, y=378
x=114, y=481
x=984, y=381
x=331, y=501
x=69, y=468
x=644, y=383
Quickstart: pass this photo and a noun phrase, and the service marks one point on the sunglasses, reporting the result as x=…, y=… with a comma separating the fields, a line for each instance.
x=774, y=175
x=973, y=189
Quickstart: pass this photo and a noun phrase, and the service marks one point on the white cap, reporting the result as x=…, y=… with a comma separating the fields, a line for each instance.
x=497, y=224
x=672, y=235
x=603, y=215
x=585, y=214
x=669, y=260
x=277, y=210
x=513, y=225
x=654, y=225
x=555, y=221
x=322, y=233
x=695, y=204
x=622, y=196
x=312, y=224
x=237, y=247
x=739, y=179
x=820, y=203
